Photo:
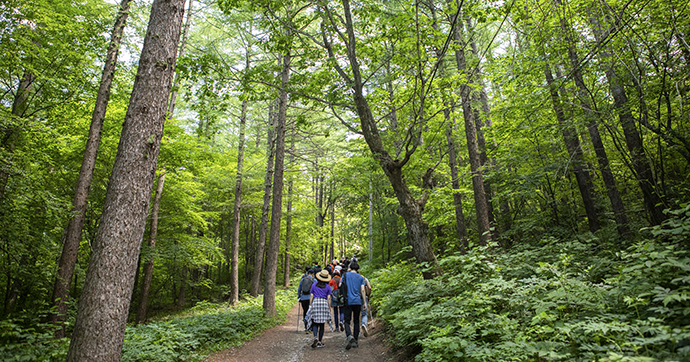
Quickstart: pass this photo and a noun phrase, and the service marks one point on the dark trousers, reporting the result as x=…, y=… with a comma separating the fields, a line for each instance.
x=352, y=313
x=305, y=308
x=318, y=329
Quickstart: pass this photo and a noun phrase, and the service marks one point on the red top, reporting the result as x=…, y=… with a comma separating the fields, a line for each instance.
x=334, y=283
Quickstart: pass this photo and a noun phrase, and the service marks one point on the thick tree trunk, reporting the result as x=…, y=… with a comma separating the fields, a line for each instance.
x=643, y=171
x=235, y=261
x=102, y=313
x=572, y=144
x=70, y=248
x=263, y=227
x=148, y=265
x=480, y=203
x=276, y=209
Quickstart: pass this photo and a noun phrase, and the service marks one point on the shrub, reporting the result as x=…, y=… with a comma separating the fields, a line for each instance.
x=552, y=301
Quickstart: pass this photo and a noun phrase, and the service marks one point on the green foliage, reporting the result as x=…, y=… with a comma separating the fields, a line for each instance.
x=28, y=339
x=548, y=302
x=201, y=329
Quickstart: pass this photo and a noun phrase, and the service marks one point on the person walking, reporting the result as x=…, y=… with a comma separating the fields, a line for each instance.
x=354, y=285
x=319, y=304
x=337, y=307
x=304, y=293
x=367, y=311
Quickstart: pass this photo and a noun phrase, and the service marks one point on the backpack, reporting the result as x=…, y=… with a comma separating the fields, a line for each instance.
x=307, y=282
x=342, y=291
x=339, y=298
x=367, y=289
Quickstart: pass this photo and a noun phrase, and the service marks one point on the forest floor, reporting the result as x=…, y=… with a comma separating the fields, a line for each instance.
x=289, y=343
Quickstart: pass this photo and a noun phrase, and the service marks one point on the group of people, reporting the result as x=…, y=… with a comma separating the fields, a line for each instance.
x=339, y=289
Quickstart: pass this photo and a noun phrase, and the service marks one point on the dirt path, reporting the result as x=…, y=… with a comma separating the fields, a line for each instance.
x=287, y=343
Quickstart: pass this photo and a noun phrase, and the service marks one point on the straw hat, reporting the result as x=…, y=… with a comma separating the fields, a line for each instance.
x=323, y=276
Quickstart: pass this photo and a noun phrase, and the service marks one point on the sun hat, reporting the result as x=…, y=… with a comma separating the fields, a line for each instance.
x=323, y=276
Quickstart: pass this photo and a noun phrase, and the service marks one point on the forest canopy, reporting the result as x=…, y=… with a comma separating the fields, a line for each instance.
x=503, y=142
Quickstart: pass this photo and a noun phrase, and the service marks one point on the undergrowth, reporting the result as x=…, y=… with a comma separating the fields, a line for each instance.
x=188, y=336
x=551, y=301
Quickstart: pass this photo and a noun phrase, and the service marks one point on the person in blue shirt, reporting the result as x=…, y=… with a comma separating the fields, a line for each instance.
x=353, y=307
x=308, y=280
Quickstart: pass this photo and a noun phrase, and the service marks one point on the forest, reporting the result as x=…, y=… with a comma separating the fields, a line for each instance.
x=514, y=175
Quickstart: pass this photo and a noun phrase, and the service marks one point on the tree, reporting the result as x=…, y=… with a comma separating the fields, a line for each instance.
x=73, y=232
x=102, y=313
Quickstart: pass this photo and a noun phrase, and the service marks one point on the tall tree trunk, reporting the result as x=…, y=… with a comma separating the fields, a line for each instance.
x=371, y=223
x=183, y=47
x=102, y=313
x=410, y=208
x=332, y=255
x=461, y=228
x=480, y=202
x=288, y=218
x=643, y=171
x=593, y=120
x=182, y=295
x=572, y=144
x=148, y=265
x=70, y=249
x=263, y=227
x=276, y=209
x=482, y=119
x=9, y=137
x=235, y=262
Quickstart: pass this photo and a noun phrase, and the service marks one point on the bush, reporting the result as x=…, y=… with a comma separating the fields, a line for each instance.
x=209, y=327
x=553, y=301
x=24, y=339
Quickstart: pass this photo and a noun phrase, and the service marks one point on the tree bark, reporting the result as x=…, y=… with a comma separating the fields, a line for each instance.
x=235, y=262
x=620, y=216
x=9, y=137
x=102, y=313
x=480, y=202
x=70, y=248
x=183, y=47
x=482, y=120
x=572, y=144
x=653, y=202
x=148, y=265
x=409, y=208
x=288, y=219
x=263, y=227
x=269, y=303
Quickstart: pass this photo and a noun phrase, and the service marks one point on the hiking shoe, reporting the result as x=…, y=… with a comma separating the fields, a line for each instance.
x=350, y=340
x=306, y=331
x=314, y=343
x=355, y=344
x=319, y=345
x=342, y=327
x=365, y=332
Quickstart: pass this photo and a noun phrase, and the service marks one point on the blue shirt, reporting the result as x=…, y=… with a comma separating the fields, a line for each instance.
x=354, y=283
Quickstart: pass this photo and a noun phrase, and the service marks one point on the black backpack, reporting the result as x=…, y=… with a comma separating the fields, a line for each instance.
x=342, y=291
x=307, y=282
